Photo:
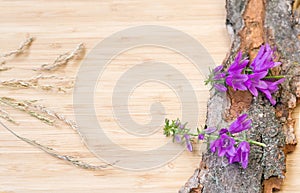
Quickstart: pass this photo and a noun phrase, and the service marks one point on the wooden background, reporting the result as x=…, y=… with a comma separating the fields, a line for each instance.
x=59, y=26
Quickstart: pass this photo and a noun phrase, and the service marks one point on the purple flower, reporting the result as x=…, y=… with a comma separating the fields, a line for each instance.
x=201, y=136
x=272, y=87
x=222, y=131
x=219, y=76
x=218, y=79
x=237, y=81
x=240, y=124
x=187, y=137
x=238, y=66
x=264, y=60
x=177, y=138
x=189, y=146
x=210, y=130
x=254, y=82
x=242, y=154
x=182, y=126
x=220, y=87
x=188, y=142
x=224, y=145
x=177, y=123
x=218, y=69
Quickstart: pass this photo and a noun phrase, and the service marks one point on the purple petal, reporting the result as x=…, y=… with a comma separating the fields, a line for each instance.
x=218, y=69
x=264, y=59
x=222, y=131
x=189, y=146
x=242, y=117
x=220, y=87
x=237, y=66
x=177, y=138
x=242, y=154
x=177, y=123
x=253, y=90
x=237, y=81
x=200, y=137
x=219, y=76
x=232, y=151
x=247, y=124
x=221, y=152
x=187, y=137
x=240, y=124
x=182, y=126
x=213, y=145
x=210, y=130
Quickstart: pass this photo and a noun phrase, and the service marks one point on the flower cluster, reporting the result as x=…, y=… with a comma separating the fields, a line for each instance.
x=253, y=77
x=225, y=142
x=179, y=132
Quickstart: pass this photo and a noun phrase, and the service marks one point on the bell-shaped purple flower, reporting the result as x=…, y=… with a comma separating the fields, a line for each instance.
x=177, y=123
x=222, y=131
x=224, y=145
x=237, y=81
x=210, y=130
x=182, y=126
x=272, y=87
x=264, y=60
x=242, y=154
x=219, y=76
x=189, y=146
x=218, y=69
x=218, y=79
x=255, y=82
x=177, y=138
x=200, y=136
x=240, y=124
x=238, y=64
x=188, y=142
x=220, y=87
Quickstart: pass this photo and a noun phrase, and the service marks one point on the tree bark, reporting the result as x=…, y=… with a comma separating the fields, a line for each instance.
x=251, y=23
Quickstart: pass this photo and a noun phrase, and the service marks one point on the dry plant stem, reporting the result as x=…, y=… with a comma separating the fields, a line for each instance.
x=25, y=107
x=63, y=59
x=53, y=153
x=4, y=69
x=53, y=114
x=6, y=116
x=23, y=46
x=34, y=83
x=38, y=111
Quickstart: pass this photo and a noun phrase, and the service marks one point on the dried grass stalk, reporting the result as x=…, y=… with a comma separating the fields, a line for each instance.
x=55, y=154
x=23, y=46
x=6, y=116
x=58, y=116
x=62, y=84
x=63, y=59
x=27, y=108
x=4, y=68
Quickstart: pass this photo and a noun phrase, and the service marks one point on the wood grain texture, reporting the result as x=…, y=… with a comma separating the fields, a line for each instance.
x=59, y=26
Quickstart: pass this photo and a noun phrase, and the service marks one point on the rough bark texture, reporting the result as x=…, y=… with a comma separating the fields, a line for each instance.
x=252, y=23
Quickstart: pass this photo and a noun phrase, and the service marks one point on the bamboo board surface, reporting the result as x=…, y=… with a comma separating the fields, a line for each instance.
x=58, y=26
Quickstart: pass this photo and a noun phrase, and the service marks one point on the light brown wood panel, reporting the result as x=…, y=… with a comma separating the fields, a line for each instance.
x=59, y=26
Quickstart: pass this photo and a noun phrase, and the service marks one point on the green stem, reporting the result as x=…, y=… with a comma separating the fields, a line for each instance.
x=257, y=143
x=187, y=131
x=276, y=77
x=235, y=138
